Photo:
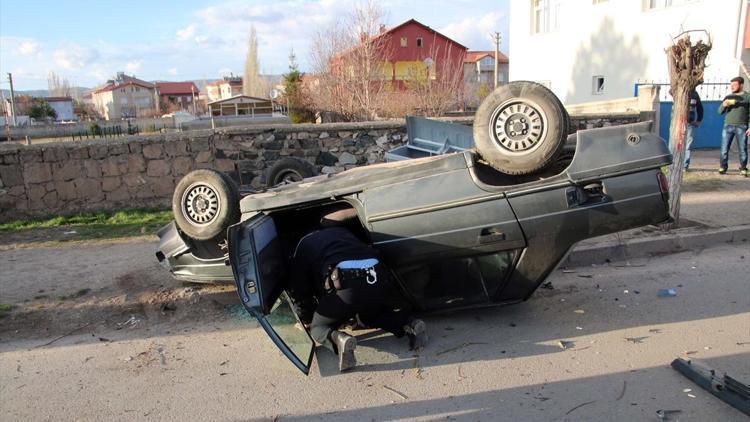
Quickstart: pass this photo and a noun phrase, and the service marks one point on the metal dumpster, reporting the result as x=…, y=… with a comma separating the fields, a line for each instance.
x=427, y=137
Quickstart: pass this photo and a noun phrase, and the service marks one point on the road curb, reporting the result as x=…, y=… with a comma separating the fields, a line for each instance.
x=604, y=252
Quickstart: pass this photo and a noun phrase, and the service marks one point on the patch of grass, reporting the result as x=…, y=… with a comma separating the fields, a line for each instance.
x=125, y=217
x=96, y=225
x=696, y=182
x=82, y=292
x=5, y=309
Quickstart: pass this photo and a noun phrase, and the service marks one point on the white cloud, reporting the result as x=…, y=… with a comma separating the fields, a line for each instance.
x=74, y=57
x=476, y=34
x=28, y=48
x=133, y=66
x=172, y=71
x=185, y=33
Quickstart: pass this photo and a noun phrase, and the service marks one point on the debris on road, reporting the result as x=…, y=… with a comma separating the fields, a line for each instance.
x=567, y=271
x=461, y=346
x=667, y=293
x=579, y=406
x=664, y=414
x=636, y=340
x=167, y=307
x=726, y=388
x=62, y=336
x=579, y=311
x=585, y=276
x=132, y=322
x=566, y=344
x=622, y=393
x=547, y=285
x=402, y=395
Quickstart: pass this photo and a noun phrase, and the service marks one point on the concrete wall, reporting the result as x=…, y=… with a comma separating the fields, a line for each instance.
x=621, y=40
x=63, y=178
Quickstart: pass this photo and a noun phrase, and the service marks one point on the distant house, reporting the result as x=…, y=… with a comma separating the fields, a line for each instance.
x=413, y=48
x=479, y=67
x=241, y=105
x=123, y=97
x=180, y=94
x=63, y=106
x=227, y=87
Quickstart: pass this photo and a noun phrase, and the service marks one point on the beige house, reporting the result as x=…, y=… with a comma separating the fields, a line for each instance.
x=227, y=87
x=479, y=67
x=241, y=105
x=124, y=97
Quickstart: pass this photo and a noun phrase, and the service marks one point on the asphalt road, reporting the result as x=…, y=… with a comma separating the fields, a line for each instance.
x=492, y=364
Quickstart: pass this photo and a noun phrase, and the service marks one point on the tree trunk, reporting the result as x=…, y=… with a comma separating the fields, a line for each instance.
x=686, y=63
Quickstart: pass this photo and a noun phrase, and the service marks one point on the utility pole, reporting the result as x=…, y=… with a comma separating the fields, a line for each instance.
x=12, y=100
x=192, y=92
x=497, y=54
x=5, y=117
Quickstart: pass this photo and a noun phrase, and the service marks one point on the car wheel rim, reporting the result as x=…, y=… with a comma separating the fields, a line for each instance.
x=200, y=204
x=291, y=177
x=518, y=126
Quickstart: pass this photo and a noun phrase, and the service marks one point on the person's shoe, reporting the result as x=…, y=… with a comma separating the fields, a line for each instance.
x=416, y=331
x=687, y=169
x=743, y=172
x=345, y=344
x=722, y=170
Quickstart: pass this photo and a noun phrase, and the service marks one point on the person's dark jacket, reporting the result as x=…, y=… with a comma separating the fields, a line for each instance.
x=314, y=254
x=737, y=114
x=696, y=108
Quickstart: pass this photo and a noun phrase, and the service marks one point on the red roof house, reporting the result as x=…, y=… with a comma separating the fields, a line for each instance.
x=413, y=47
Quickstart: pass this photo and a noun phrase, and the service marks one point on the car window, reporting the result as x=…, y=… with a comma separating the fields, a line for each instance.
x=456, y=282
x=284, y=323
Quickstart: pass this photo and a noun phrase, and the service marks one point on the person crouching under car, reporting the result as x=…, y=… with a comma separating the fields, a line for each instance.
x=347, y=279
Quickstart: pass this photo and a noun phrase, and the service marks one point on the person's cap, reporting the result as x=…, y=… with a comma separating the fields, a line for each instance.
x=738, y=79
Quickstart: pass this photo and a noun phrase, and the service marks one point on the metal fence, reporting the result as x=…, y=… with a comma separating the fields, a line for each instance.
x=709, y=90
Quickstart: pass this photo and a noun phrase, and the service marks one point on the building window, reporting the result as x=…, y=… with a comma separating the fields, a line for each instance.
x=597, y=85
x=419, y=42
x=403, y=41
x=546, y=16
x=661, y=4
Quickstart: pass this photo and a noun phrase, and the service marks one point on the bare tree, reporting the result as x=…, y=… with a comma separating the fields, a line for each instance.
x=686, y=63
x=250, y=80
x=438, y=83
x=56, y=86
x=348, y=60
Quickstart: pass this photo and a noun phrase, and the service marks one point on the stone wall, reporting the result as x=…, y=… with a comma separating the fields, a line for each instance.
x=63, y=178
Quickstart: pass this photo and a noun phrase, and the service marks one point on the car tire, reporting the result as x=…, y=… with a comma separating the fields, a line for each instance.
x=520, y=128
x=205, y=202
x=289, y=170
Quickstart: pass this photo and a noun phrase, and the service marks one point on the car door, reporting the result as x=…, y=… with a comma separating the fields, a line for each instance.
x=450, y=242
x=258, y=267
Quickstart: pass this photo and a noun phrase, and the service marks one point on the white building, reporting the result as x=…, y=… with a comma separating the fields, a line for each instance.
x=594, y=50
x=63, y=107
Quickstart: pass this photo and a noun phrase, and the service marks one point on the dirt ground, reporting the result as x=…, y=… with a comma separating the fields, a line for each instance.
x=54, y=290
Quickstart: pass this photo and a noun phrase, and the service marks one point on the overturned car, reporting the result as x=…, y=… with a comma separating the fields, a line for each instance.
x=479, y=227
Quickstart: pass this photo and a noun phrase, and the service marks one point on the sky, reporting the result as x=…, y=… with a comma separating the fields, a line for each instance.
x=89, y=41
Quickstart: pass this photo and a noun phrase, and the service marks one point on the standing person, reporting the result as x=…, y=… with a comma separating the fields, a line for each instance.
x=695, y=117
x=736, y=106
x=344, y=275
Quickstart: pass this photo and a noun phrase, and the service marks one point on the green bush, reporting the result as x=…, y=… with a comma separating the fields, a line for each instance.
x=95, y=129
